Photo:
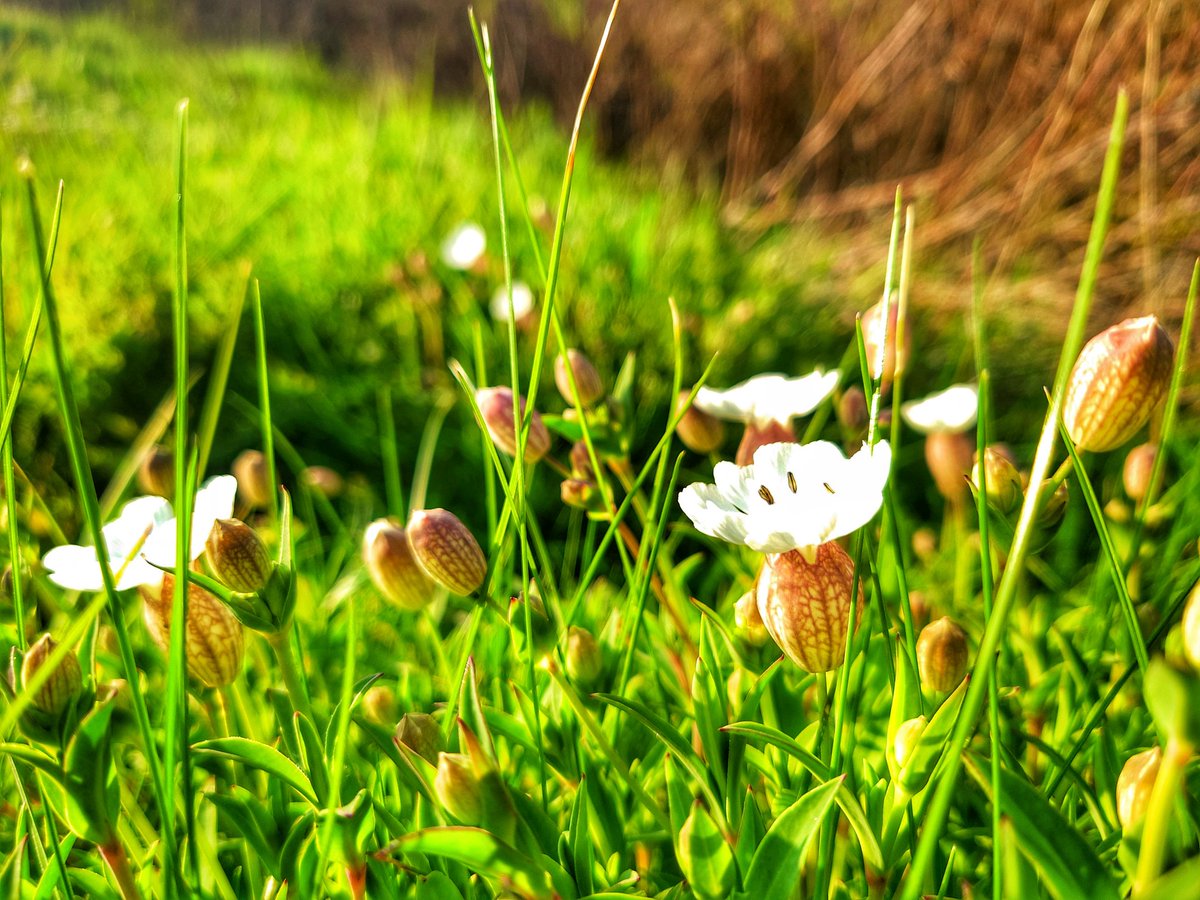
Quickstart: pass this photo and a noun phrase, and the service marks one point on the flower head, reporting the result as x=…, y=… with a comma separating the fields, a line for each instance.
x=793, y=496
x=768, y=398
x=951, y=411
x=148, y=522
x=464, y=246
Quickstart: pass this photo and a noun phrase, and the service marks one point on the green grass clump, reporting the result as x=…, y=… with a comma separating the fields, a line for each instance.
x=516, y=697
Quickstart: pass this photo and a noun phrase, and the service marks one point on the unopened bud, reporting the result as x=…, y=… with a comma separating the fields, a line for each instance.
x=379, y=703
x=584, y=660
x=918, y=605
x=446, y=550
x=581, y=462
x=805, y=604
x=924, y=543
x=238, y=556
x=877, y=332
x=1054, y=507
x=214, y=642
x=1190, y=629
x=1139, y=465
x=156, y=475
x=1134, y=786
x=942, y=654
x=907, y=736
x=580, y=494
x=852, y=410
x=496, y=407
x=748, y=622
x=949, y=457
x=699, y=431
x=587, y=379
x=1120, y=377
x=420, y=734
x=323, y=480
x=250, y=470
x=63, y=684
x=705, y=857
x=457, y=788
x=1003, y=481
x=393, y=568
x=759, y=435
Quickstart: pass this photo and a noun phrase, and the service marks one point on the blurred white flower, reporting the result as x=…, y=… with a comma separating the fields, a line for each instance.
x=522, y=302
x=144, y=532
x=768, y=398
x=947, y=412
x=792, y=497
x=464, y=246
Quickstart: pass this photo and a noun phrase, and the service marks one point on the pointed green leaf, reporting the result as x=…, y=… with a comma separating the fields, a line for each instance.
x=259, y=756
x=775, y=869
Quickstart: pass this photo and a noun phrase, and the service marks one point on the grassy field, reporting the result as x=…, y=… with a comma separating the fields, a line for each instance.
x=567, y=665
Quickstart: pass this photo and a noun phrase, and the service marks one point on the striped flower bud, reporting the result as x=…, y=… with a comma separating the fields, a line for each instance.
x=156, y=475
x=1120, y=377
x=238, y=556
x=457, y=788
x=949, y=457
x=446, y=550
x=63, y=684
x=585, y=663
x=496, y=407
x=1134, y=786
x=214, y=642
x=587, y=379
x=942, y=654
x=250, y=470
x=805, y=604
x=699, y=431
x=393, y=568
x=1139, y=465
x=1002, y=478
x=420, y=734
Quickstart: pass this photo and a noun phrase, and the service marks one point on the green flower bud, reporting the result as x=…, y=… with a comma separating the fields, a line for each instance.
x=585, y=663
x=238, y=556
x=420, y=734
x=1190, y=629
x=156, y=475
x=907, y=737
x=457, y=788
x=699, y=431
x=704, y=856
x=250, y=470
x=587, y=379
x=446, y=550
x=942, y=654
x=1054, y=507
x=496, y=408
x=1003, y=480
x=1134, y=785
x=393, y=568
x=63, y=685
x=1120, y=377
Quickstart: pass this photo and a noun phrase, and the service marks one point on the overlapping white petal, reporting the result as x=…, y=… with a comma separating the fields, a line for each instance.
x=792, y=496
x=464, y=246
x=950, y=411
x=144, y=532
x=768, y=398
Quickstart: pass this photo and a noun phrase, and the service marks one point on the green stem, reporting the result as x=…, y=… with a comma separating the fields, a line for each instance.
x=282, y=646
x=1159, y=812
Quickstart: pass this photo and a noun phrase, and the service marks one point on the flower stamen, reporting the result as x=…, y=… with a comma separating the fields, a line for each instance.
x=828, y=488
x=791, y=482
x=766, y=495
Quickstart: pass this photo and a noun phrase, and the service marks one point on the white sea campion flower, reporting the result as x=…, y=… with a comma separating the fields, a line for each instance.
x=150, y=522
x=951, y=411
x=522, y=302
x=792, y=497
x=464, y=246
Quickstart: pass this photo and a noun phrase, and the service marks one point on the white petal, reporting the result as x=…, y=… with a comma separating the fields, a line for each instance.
x=522, y=302
x=781, y=528
x=952, y=410
x=464, y=246
x=74, y=567
x=160, y=545
x=137, y=572
x=712, y=514
x=735, y=483
x=859, y=487
x=781, y=402
x=137, y=517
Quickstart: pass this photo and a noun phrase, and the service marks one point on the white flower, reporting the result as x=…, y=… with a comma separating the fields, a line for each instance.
x=522, y=302
x=464, y=246
x=947, y=412
x=793, y=496
x=144, y=532
x=768, y=398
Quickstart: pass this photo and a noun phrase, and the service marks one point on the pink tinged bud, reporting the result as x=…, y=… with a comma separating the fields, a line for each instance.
x=587, y=379
x=759, y=435
x=496, y=407
x=238, y=556
x=580, y=494
x=748, y=622
x=393, y=567
x=214, y=642
x=1134, y=786
x=806, y=605
x=584, y=660
x=581, y=462
x=875, y=333
x=156, y=475
x=250, y=470
x=1120, y=377
x=1003, y=480
x=457, y=788
x=852, y=410
x=1139, y=465
x=61, y=687
x=323, y=480
x=949, y=457
x=942, y=655
x=699, y=431
x=446, y=550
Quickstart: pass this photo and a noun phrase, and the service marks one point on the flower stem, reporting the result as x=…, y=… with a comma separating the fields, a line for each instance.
x=1158, y=814
x=114, y=854
x=282, y=646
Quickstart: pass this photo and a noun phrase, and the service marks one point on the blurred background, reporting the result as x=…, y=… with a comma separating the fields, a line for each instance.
x=742, y=157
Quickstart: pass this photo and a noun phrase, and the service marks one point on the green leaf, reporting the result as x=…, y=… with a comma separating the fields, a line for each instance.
x=436, y=886
x=312, y=753
x=704, y=856
x=243, y=815
x=482, y=852
x=582, y=857
x=36, y=758
x=259, y=756
x=777, y=863
x=92, y=794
